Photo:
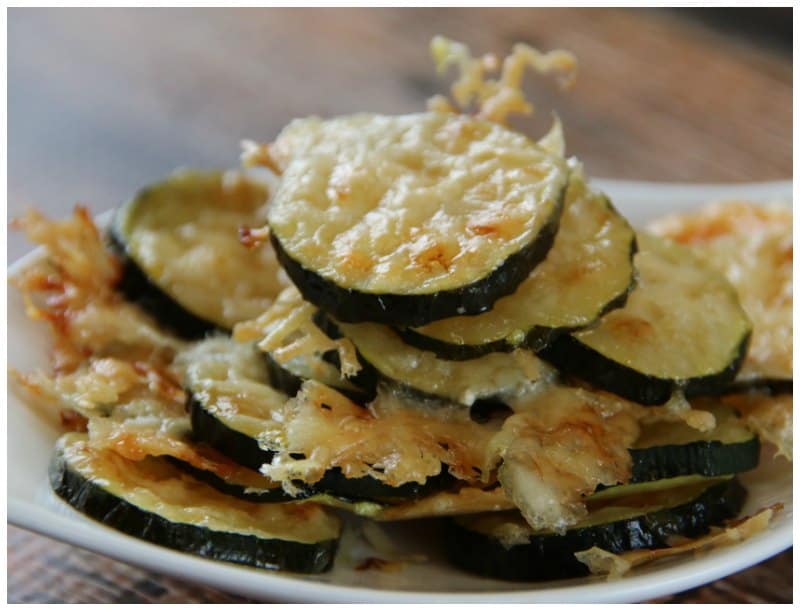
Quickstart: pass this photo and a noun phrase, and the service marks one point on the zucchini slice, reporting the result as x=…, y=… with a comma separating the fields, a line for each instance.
x=502, y=545
x=153, y=500
x=229, y=400
x=588, y=272
x=751, y=244
x=681, y=329
x=403, y=220
x=386, y=359
x=182, y=260
x=672, y=449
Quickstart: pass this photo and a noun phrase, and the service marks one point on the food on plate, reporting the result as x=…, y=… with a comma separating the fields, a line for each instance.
x=405, y=317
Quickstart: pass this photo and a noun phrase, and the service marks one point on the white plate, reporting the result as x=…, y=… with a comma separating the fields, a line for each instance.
x=31, y=505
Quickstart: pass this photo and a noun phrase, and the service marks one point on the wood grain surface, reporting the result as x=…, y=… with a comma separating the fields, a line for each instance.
x=101, y=102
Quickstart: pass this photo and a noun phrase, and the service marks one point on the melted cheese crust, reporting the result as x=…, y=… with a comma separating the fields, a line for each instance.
x=410, y=204
x=557, y=448
x=752, y=246
x=588, y=266
x=392, y=440
x=156, y=486
x=496, y=374
x=184, y=234
x=682, y=321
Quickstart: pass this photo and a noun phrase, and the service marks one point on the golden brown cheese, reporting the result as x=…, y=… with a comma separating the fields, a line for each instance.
x=751, y=245
x=390, y=440
x=409, y=204
x=770, y=417
x=558, y=447
x=287, y=332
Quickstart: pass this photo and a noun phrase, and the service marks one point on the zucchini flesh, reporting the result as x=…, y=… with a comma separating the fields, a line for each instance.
x=681, y=329
x=182, y=260
x=588, y=272
x=672, y=449
x=503, y=546
x=443, y=215
x=386, y=359
x=153, y=500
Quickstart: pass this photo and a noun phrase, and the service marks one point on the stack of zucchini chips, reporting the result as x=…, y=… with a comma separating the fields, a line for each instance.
x=443, y=320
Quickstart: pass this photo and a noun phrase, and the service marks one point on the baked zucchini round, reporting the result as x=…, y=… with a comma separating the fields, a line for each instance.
x=588, y=272
x=182, y=260
x=153, y=500
x=503, y=546
x=403, y=220
x=682, y=328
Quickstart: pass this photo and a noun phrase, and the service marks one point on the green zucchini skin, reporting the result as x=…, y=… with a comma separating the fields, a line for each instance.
x=99, y=504
x=768, y=386
x=708, y=458
x=551, y=556
x=349, y=305
x=571, y=356
x=237, y=446
x=137, y=288
x=536, y=338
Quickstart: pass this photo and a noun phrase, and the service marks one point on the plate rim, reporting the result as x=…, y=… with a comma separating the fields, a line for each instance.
x=73, y=530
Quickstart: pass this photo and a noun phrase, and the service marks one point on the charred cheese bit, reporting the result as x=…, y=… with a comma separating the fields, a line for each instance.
x=185, y=234
x=390, y=440
x=557, y=448
x=752, y=246
x=72, y=289
x=410, y=204
x=287, y=332
x=496, y=99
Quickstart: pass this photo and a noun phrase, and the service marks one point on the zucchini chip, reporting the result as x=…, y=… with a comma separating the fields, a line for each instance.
x=182, y=260
x=289, y=377
x=751, y=245
x=404, y=220
x=502, y=545
x=386, y=359
x=588, y=272
x=681, y=329
x=153, y=500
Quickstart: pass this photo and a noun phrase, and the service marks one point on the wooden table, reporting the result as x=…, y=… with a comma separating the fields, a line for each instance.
x=101, y=102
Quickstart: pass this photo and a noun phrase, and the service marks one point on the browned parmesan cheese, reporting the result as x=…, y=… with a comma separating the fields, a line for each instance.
x=770, y=417
x=390, y=440
x=557, y=448
x=752, y=246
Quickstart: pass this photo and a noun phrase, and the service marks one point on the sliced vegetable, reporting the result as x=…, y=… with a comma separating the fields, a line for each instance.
x=386, y=359
x=503, y=546
x=403, y=220
x=153, y=500
x=672, y=449
x=751, y=244
x=681, y=329
x=588, y=272
x=182, y=260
